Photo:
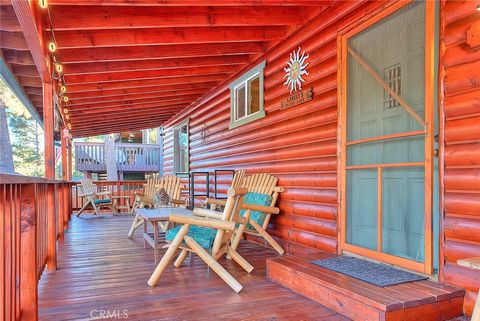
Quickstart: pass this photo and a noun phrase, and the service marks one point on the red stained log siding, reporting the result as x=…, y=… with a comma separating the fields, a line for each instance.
x=461, y=105
x=298, y=144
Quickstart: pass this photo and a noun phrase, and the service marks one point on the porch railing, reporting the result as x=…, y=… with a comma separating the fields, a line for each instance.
x=116, y=188
x=34, y=214
x=90, y=157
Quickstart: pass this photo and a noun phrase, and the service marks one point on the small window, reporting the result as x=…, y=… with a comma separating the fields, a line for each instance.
x=180, y=140
x=246, y=97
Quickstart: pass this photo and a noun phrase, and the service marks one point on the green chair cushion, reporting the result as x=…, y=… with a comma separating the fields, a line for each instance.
x=256, y=199
x=203, y=235
x=102, y=201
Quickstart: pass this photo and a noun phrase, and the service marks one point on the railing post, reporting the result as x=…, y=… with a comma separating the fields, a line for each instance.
x=51, y=229
x=28, y=255
x=61, y=209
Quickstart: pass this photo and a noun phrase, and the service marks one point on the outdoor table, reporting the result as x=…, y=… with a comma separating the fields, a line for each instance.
x=116, y=207
x=155, y=216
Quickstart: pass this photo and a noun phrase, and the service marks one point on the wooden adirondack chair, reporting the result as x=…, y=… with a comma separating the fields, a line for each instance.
x=207, y=236
x=92, y=198
x=257, y=220
x=170, y=183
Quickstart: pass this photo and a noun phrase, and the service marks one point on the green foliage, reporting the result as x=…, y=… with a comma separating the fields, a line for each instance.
x=25, y=135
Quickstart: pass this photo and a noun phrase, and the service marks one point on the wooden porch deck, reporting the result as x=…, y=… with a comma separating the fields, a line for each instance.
x=99, y=269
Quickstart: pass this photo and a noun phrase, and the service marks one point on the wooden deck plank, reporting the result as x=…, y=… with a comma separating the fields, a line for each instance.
x=359, y=300
x=100, y=269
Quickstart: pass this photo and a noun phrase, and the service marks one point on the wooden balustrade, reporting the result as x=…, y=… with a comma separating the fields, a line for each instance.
x=35, y=213
x=90, y=157
x=116, y=188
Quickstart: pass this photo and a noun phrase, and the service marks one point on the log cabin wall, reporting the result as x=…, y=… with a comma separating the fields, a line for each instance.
x=298, y=145
x=460, y=65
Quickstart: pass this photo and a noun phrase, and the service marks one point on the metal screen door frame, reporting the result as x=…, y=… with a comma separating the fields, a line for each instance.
x=344, y=54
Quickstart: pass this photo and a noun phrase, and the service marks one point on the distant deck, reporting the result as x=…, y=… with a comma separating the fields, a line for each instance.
x=100, y=269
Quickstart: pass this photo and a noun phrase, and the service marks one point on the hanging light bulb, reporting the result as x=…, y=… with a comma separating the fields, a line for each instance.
x=43, y=4
x=52, y=47
x=63, y=89
x=59, y=68
x=65, y=111
x=67, y=117
x=65, y=98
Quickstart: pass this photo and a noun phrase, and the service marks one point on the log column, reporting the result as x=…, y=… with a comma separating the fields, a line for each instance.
x=65, y=163
x=48, y=123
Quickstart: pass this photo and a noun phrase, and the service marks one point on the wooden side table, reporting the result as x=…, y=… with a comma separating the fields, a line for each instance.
x=116, y=206
x=156, y=216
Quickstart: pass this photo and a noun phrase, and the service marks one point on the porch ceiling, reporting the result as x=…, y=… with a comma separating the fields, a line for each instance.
x=15, y=52
x=131, y=64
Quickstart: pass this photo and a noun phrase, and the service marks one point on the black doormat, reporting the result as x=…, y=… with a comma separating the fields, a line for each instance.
x=378, y=274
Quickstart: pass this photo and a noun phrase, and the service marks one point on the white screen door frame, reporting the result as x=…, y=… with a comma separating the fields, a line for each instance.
x=344, y=54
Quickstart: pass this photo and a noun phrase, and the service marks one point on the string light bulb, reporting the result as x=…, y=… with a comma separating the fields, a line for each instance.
x=65, y=98
x=67, y=117
x=59, y=68
x=65, y=111
x=52, y=47
x=43, y=4
x=63, y=89
x=69, y=126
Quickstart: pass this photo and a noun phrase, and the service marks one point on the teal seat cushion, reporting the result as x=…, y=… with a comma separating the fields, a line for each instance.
x=256, y=199
x=203, y=235
x=102, y=201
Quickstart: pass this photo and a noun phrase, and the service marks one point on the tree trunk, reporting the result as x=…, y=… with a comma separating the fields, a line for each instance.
x=6, y=156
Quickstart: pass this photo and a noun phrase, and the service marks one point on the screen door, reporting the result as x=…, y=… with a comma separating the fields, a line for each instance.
x=386, y=134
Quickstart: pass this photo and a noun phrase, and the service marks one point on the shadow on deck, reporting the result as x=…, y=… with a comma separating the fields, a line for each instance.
x=101, y=271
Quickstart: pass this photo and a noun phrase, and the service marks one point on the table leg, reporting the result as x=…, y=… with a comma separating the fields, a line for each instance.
x=145, y=231
x=155, y=239
x=114, y=206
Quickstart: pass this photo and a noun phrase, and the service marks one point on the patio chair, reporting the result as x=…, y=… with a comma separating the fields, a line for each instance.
x=262, y=195
x=170, y=183
x=208, y=236
x=92, y=198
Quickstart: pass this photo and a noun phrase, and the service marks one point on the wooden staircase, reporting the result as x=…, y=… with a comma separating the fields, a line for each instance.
x=359, y=300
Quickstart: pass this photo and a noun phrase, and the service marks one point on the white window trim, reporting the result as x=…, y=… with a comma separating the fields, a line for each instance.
x=243, y=80
x=176, y=145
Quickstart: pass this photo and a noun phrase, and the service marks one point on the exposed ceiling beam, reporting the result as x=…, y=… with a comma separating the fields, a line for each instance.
x=30, y=81
x=149, y=74
x=134, y=91
x=163, y=36
x=111, y=17
x=122, y=127
x=156, y=52
x=32, y=31
x=10, y=80
x=25, y=70
x=144, y=83
x=8, y=19
x=91, y=120
x=128, y=98
x=147, y=102
x=175, y=3
x=12, y=40
x=18, y=57
x=153, y=64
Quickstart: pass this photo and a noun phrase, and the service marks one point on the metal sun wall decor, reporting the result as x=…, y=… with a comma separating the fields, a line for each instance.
x=295, y=70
